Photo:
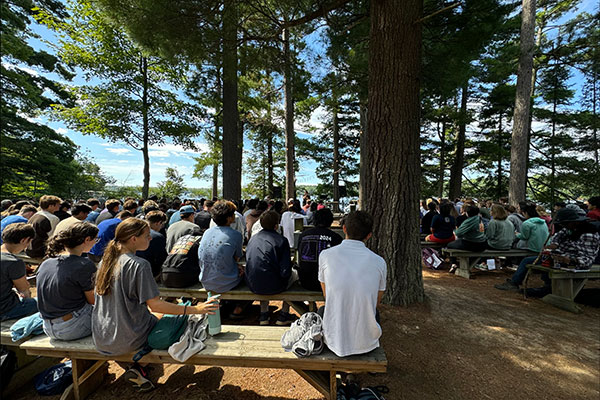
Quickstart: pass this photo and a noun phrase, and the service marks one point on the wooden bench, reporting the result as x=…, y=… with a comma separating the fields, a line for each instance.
x=296, y=295
x=566, y=285
x=28, y=366
x=235, y=346
x=467, y=259
x=432, y=245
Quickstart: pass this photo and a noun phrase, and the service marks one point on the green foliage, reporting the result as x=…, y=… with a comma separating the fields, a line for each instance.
x=172, y=186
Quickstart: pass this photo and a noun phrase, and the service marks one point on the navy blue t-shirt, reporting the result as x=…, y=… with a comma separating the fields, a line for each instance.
x=106, y=233
x=443, y=226
x=310, y=244
x=268, y=262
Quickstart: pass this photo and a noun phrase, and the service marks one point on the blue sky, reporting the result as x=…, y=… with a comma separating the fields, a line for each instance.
x=125, y=163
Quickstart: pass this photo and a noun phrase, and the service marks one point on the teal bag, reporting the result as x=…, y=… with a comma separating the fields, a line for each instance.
x=167, y=331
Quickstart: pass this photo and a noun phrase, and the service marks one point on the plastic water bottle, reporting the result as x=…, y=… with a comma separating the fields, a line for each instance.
x=214, y=321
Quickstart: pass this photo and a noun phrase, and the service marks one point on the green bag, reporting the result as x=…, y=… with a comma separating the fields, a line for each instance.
x=167, y=331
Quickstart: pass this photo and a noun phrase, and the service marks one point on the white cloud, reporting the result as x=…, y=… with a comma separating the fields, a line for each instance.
x=118, y=151
x=62, y=131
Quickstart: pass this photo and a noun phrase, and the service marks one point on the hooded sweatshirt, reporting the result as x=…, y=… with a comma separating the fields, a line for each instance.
x=534, y=232
x=500, y=234
x=469, y=230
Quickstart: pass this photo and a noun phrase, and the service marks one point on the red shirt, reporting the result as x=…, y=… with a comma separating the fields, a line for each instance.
x=594, y=214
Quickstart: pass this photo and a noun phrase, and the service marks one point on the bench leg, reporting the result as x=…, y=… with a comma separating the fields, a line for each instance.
x=87, y=377
x=299, y=306
x=564, y=292
x=324, y=382
x=27, y=368
x=464, y=267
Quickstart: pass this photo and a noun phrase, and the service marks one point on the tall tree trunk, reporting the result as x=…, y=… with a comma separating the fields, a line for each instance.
x=145, y=127
x=393, y=174
x=232, y=146
x=520, y=133
x=499, y=166
x=538, y=43
x=552, y=147
x=595, y=127
x=455, y=189
x=290, y=135
x=364, y=159
x=215, y=166
x=441, y=175
x=336, y=160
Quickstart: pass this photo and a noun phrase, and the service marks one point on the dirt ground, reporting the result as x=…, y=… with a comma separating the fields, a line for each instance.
x=467, y=341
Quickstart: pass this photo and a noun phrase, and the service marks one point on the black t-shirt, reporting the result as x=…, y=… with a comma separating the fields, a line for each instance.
x=202, y=219
x=461, y=218
x=11, y=269
x=426, y=222
x=310, y=244
x=61, y=282
x=156, y=253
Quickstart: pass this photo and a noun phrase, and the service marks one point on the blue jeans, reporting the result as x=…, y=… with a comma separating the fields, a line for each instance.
x=519, y=276
x=23, y=309
x=77, y=327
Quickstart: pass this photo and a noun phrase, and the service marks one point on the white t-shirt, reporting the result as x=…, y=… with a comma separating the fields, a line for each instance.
x=287, y=225
x=353, y=276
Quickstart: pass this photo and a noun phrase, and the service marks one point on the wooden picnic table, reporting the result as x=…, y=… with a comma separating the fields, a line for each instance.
x=467, y=259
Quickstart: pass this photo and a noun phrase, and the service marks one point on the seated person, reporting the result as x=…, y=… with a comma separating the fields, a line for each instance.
x=288, y=220
x=443, y=225
x=575, y=245
x=15, y=238
x=65, y=283
x=202, y=217
x=219, y=251
x=353, y=280
x=94, y=204
x=470, y=233
x=500, y=231
x=594, y=208
x=185, y=226
x=127, y=296
x=110, y=211
x=311, y=243
x=63, y=210
x=79, y=213
x=156, y=253
x=269, y=267
x=25, y=213
x=106, y=233
x=254, y=216
x=44, y=222
x=238, y=223
x=427, y=218
x=534, y=231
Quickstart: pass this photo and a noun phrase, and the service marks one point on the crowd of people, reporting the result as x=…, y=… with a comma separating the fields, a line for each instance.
x=569, y=233
x=103, y=260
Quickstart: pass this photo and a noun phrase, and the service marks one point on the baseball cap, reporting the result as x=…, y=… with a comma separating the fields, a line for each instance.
x=187, y=210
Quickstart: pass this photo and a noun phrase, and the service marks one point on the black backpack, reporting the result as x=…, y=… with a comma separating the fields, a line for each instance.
x=8, y=364
x=351, y=391
x=181, y=268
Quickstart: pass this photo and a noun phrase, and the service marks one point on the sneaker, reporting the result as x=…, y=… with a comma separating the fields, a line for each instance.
x=264, y=318
x=138, y=377
x=508, y=285
x=453, y=268
x=284, y=319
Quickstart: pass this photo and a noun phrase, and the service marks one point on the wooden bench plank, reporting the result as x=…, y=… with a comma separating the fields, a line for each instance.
x=467, y=259
x=294, y=293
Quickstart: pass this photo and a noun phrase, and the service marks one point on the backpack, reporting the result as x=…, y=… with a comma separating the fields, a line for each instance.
x=351, y=391
x=8, y=364
x=181, y=268
x=431, y=258
x=167, y=331
x=54, y=380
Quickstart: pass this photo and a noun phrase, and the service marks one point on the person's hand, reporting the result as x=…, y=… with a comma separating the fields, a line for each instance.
x=241, y=268
x=208, y=307
x=481, y=227
x=561, y=259
x=552, y=246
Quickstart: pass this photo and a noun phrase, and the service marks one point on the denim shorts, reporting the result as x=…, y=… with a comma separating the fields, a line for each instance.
x=77, y=327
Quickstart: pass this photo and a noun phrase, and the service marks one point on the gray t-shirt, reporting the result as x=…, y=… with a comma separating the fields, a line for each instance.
x=61, y=283
x=179, y=229
x=11, y=268
x=121, y=320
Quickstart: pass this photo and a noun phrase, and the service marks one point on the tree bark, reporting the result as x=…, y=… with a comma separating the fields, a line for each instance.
x=232, y=145
x=364, y=159
x=393, y=174
x=442, y=170
x=145, y=127
x=215, y=166
x=499, y=166
x=290, y=135
x=520, y=133
x=336, y=161
x=455, y=189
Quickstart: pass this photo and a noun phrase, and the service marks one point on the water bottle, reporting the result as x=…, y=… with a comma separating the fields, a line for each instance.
x=214, y=321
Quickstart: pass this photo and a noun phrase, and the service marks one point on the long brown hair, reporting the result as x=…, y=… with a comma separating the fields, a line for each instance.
x=70, y=238
x=125, y=230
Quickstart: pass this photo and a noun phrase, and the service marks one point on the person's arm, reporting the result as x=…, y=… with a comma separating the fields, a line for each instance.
x=22, y=286
x=157, y=305
x=525, y=231
x=323, y=289
x=89, y=296
x=379, y=297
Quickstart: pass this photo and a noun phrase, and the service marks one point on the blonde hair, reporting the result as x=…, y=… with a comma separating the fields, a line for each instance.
x=125, y=230
x=499, y=212
x=47, y=201
x=541, y=211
